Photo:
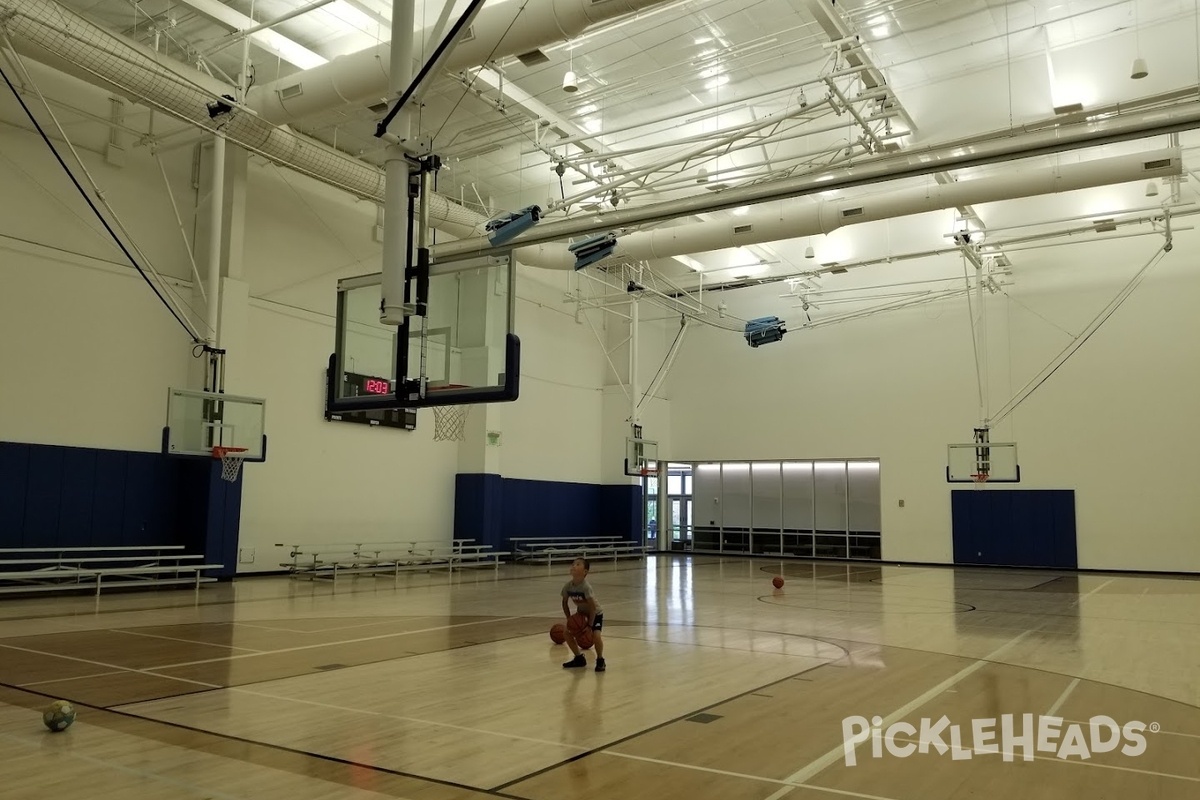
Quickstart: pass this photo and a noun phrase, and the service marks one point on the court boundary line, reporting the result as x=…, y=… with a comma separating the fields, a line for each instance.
x=368, y=712
x=663, y=724
x=153, y=776
x=380, y=621
x=1062, y=698
x=210, y=688
x=341, y=643
x=760, y=778
x=789, y=786
x=818, y=765
x=270, y=746
x=177, y=639
x=1052, y=760
x=73, y=678
x=103, y=664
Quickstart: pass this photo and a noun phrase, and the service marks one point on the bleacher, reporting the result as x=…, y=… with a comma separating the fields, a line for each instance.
x=332, y=560
x=547, y=550
x=46, y=569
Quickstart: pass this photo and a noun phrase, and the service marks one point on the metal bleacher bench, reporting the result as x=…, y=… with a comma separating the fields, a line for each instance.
x=46, y=569
x=330, y=560
x=564, y=548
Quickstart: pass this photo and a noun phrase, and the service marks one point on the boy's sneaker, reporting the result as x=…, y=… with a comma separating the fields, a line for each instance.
x=577, y=661
x=599, y=665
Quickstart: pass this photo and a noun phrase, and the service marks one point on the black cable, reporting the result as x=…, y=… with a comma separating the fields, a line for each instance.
x=1103, y=317
x=664, y=362
x=459, y=24
x=485, y=61
x=95, y=210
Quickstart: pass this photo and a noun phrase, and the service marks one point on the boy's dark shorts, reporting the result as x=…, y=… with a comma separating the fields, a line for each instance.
x=598, y=622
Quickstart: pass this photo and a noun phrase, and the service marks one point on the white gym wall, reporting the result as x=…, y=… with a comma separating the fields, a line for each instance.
x=1114, y=423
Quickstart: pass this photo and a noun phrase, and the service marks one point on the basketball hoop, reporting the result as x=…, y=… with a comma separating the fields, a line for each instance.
x=231, y=461
x=450, y=423
x=980, y=478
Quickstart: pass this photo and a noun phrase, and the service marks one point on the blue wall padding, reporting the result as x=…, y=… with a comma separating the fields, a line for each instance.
x=492, y=509
x=621, y=510
x=479, y=508
x=54, y=496
x=1016, y=528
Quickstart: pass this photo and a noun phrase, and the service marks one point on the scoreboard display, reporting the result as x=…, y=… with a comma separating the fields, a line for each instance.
x=356, y=385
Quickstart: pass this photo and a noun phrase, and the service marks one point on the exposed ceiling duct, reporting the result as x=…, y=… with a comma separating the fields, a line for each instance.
x=790, y=219
x=1001, y=146
x=505, y=29
x=54, y=35
x=50, y=33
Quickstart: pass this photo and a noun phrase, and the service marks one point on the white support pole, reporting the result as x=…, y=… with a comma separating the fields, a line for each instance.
x=395, y=211
x=983, y=344
x=216, y=205
x=634, y=390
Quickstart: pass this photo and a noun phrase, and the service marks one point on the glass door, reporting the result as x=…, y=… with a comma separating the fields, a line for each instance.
x=650, y=512
x=681, y=524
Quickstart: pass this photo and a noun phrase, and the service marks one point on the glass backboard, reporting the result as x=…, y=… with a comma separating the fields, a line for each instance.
x=640, y=454
x=463, y=350
x=198, y=421
x=998, y=460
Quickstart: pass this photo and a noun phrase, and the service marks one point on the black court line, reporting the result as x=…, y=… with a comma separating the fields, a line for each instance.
x=270, y=746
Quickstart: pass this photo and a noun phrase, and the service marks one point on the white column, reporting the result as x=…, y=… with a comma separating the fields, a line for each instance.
x=395, y=210
x=634, y=388
x=216, y=208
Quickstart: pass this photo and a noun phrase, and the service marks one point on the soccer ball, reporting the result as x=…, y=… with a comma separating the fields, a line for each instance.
x=59, y=715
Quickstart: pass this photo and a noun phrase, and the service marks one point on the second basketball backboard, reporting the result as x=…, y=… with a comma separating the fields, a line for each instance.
x=640, y=455
x=965, y=463
x=198, y=421
x=462, y=351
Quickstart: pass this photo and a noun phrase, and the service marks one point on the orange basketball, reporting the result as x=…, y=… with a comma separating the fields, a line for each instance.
x=777, y=582
x=558, y=634
x=584, y=639
x=577, y=624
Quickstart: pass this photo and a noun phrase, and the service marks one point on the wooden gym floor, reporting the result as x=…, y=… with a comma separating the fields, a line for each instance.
x=434, y=687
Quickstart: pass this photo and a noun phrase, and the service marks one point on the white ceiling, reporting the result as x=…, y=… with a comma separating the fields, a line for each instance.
x=675, y=76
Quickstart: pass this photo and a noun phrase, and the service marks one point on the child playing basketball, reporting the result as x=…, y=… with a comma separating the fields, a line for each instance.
x=579, y=590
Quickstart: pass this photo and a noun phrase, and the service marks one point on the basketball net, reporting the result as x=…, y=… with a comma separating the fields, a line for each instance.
x=450, y=423
x=231, y=461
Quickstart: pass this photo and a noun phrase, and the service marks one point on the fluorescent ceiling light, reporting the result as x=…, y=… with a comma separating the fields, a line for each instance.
x=690, y=263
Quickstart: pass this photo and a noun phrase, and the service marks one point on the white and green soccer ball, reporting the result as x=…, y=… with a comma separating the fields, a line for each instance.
x=59, y=715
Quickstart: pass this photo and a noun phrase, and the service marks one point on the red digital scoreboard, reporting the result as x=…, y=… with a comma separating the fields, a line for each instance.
x=357, y=385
